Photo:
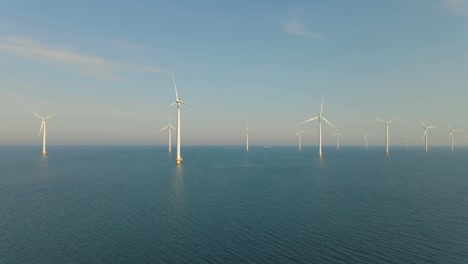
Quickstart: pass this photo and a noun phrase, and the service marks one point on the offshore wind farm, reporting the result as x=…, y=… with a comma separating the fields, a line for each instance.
x=259, y=168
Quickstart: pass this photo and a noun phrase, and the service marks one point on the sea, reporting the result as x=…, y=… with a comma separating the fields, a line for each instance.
x=133, y=204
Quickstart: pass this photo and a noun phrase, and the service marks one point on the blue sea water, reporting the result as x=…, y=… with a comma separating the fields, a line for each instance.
x=223, y=205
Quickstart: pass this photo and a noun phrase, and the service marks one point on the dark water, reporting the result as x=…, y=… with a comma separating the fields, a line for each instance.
x=134, y=205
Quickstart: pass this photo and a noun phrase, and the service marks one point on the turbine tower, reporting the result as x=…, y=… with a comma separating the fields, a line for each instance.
x=169, y=127
x=320, y=117
x=451, y=134
x=299, y=134
x=425, y=132
x=338, y=135
x=43, y=127
x=247, y=138
x=177, y=102
x=407, y=138
x=365, y=137
x=386, y=133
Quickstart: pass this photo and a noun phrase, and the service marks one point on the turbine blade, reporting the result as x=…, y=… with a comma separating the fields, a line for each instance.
x=37, y=115
x=42, y=126
x=164, y=128
x=172, y=127
x=182, y=102
x=329, y=123
x=380, y=120
x=171, y=105
x=321, y=105
x=175, y=87
x=422, y=122
x=308, y=120
x=432, y=127
x=49, y=116
x=394, y=119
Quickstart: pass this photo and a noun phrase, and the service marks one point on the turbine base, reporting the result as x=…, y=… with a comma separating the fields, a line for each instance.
x=320, y=155
x=44, y=153
x=178, y=161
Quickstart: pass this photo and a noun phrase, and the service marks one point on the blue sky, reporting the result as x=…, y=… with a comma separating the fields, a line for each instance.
x=104, y=67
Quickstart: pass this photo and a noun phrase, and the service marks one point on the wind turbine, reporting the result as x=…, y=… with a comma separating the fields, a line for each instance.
x=425, y=132
x=451, y=134
x=299, y=134
x=386, y=133
x=43, y=127
x=338, y=135
x=320, y=117
x=247, y=138
x=407, y=140
x=365, y=137
x=177, y=102
x=169, y=127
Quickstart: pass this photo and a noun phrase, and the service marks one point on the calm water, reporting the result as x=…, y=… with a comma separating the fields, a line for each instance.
x=134, y=205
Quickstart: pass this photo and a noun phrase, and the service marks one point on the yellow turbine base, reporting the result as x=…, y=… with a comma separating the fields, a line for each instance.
x=44, y=153
x=178, y=161
x=320, y=155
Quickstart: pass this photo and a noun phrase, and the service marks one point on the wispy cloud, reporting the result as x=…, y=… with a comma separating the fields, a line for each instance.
x=294, y=26
x=83, y=63
x=458, y=7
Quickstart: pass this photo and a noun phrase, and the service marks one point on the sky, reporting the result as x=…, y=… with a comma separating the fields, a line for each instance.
x=105, y=68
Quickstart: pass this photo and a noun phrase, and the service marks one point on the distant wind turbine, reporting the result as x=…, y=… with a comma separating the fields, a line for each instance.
x=299, y=134
x=338, y=135
x=43, y=127
x=169, y=127
x=386, y=133
x=407, y=140
x=320, y=117
x=177, y=102
x=247, y=138
x=425, y=132
x=451, y=134
x=365, y=137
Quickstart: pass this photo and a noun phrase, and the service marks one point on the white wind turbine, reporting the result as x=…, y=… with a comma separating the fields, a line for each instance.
x=320, y=117
x=177, y=102
x=169, y=127
x=247, y=138
x=299, y=134
x=451, y=134
x=365, y=137
x=386, y=133
x=338, y=135
x=407, y=138
x=425, y=132
x=43, y=127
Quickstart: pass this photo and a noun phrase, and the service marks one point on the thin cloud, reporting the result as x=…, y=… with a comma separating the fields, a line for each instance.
x=458, y=7
x=87, y=64
x=294, y=26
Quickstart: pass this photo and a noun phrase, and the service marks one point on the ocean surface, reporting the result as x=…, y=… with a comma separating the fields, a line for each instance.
x=86, y=204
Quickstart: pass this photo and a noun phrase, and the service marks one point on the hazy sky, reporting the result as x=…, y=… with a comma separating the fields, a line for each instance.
x=104, y=66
